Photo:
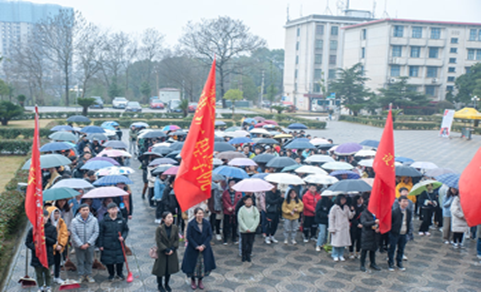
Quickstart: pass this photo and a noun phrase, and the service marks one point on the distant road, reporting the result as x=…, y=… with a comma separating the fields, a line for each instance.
x=45, y=109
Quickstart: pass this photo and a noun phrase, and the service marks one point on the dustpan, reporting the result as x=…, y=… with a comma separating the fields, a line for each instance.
x=69, y=285
x=26, y=281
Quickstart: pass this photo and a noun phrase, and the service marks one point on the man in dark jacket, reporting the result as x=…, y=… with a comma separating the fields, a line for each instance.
x=401, y=225
x=322, y=210
x=274, y=200
x=109, y=241
x=369, y=239
x=356, y=227
x=44, y=277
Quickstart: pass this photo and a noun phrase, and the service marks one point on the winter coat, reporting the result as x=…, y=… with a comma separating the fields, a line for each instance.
x=426, y=197
x=369, y=236
x=322, y=211
x=83, y=232
x=164, y=264
x=287, y=209
x=356, y=219
x=109, y=239
x=227, y=202
x=458, y=222
x=67, y=217
x=61, y=227
x=397, y=221
x=408, y=186
x=159, y=187
x=216, y=198
x=339, y=225
x=195, y=238
x=261, y=201
x=273, y=202
x=310, y=201
x=248, y=220
x=448, y=200
x=50, y=240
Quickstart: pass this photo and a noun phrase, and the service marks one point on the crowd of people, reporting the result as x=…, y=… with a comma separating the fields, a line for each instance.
x=335, y=222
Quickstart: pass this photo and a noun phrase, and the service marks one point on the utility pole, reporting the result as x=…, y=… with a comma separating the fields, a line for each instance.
x=262, y=89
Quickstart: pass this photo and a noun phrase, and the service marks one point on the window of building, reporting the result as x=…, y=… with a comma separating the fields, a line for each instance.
x=297, y=46
x=417, y=32
x=479, y=35
x=451, y=78
x=430, y=90
x=320, y=29
x=398, y=31
x=334, y=30
x=363, y=53
x=454, y=40
x=298, y=31
x=317, y=87
x=295, y=73
x=362, y=70
x=433, y=52
x=333, y=45
x=478, y=54
x=415, y=52
x=295, y=86
x=317, y=73
x=297, y=59
x=319, y=44
x=452, y=60
x=395, y=70
x=413, y=71
x=318, y=59
x=435, y=33
x=471, y=53
x=432, y=72
x=332, y=74
x=472, y=34
x=450, y=88
x=364, y=34
x=396, y=51
x=452, y=69
x=453, y=50
x=332, y=59
x=468, y=70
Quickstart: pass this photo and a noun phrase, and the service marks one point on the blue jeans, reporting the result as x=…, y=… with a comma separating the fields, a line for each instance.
x=478, y=247
x=398, y=240
x=337, y=251
x=321, y=239
x=263, y=222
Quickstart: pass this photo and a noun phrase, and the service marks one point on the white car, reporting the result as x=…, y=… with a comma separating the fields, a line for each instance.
x=119, y=102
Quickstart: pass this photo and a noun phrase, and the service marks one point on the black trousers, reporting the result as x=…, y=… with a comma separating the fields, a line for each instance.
x=247, y=243
x=230, y=227
x=372, y=257
x=272, y=223
x=150, y=196
x=309, y=225
x=214, y=223
x=159, y=281
x=438, y=216
x=159, y=210
x=119, y=268
x=427, y=219
x=458, y=237
x=355, y=239
x=57, y=258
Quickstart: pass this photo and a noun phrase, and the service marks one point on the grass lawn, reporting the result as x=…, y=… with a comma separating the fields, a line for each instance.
x=28, y=123
x=9, y=164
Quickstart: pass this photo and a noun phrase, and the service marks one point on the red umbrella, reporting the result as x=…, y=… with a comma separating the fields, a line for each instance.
x=260, y=125
x=271, y=122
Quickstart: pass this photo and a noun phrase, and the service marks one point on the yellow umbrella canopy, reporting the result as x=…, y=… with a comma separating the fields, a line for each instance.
x=467, y=113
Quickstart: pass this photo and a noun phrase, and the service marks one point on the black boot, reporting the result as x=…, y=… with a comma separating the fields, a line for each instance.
x=372, y=258
x=244, y=258
x=248, y=258
x=363, y=268
x=363, y=260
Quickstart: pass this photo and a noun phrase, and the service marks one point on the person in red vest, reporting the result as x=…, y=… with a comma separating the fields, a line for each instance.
x=310, y=199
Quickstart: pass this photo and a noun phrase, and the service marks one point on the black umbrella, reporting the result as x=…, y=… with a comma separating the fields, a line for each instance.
x=178, y=133
x=325, y=146
x=281, y=162
x=162, y=150
x=78, y=119
x=176, y=145
x=218, y=139
x=267, y=141
x=350, y=185
x=165, y=160
x=402, y=170
x=161, y=168
x=223, y=146
x=173, y=154
x=149, y=153
x=97, y=136
x=263, y=158
x=154, y=134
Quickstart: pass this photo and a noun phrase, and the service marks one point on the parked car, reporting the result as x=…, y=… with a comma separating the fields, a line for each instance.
x=133, y=106
x=266, y=103
x=156, y=104
x=99, y=103
x=192, y=107
x=173, y=106
x=119, y=102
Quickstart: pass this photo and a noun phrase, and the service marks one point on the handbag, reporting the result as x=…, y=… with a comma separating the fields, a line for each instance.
x=153, y=252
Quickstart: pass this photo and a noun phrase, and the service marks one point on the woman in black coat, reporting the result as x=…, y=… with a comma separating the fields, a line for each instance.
x=322, y=211
x=369, y=239
x=356, y=226
x=198, y=259
x=109, y=241
x=167, y=242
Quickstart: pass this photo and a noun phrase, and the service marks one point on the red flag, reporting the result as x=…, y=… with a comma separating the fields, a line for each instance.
x=194, y=177
x=469, y=191
x=383, y=191
x=34, y=198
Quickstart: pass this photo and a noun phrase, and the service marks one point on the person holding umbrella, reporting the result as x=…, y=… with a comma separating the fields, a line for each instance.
x=274, y=200
x=248, y=219
x=339, y=217
x=427, y=202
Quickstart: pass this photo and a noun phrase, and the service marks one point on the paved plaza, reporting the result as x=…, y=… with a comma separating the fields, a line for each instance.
x=432, y=266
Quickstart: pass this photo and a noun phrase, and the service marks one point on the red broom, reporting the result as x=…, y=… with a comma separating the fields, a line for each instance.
x=26, y=281
x=69, y=285
x=130, y=277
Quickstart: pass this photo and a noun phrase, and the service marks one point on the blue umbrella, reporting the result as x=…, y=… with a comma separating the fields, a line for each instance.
x=291, y=168
x=449, y=179
x=240, y=140
x=176, y=145
x=403, y=159
x=350, y=174
x=297, y=126
x=54, y=194
x=92, y=130
x=173, y=154
x=230, y=171
x=61, y=128
x=97, y=164
x=350, y=185
x=300, y=144
x=260, y=175
x=112, y=180
x=139, y=125
x=370, y=143
x=116, y=144
x=109, y=124
x=55, y=146
x=250, y=120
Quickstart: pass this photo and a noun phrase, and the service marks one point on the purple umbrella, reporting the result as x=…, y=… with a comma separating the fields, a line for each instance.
x=348, y=148
x=252, y=185
x=105, y=192
x=242, y=162
x=108, y=159
x=159, y=161
x=350, y=174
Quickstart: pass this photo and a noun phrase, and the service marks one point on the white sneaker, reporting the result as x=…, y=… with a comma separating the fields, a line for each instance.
x=274, y=240
x=286, y=242
x=405, y=258
x=306, y=240
x=58, y=280
x=48, y=289
x=351, y=257
x=318, y=248
x=218, y=237
x=294, y=242
x=336, y=259
x=446, y=242
x=268, y=240
x=342, y=259
x=89, y=279
x=313, y=239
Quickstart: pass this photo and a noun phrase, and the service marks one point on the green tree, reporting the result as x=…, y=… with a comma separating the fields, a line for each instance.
x=233, y=95
x=21, y=100
x=4, y=90
x=114, y=89
x=184, y=106
x=9, y=110
x=279, y=108
x=401, y=95
x=350, y=88
x=468, y=84
x=145, y=89
x=85, y=102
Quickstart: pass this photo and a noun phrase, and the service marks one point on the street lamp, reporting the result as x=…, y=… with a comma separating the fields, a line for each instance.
x=475, y=99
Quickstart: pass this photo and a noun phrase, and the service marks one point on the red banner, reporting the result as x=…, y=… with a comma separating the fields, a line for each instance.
x=469, y=191
x=34, y=198
x=383, y=191
x=194, y=178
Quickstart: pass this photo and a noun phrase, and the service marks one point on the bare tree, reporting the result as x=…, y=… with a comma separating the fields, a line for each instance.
x=151, y=50
x=223, y=37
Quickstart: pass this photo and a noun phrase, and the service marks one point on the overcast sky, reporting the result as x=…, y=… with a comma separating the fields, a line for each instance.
x=265, y=17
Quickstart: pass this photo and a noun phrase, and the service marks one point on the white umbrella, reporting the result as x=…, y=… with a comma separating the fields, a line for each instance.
x=260, y=131
x=366, y=162
x=319, y=158
x=252, y=185
x=328, y=193
x=219, y=133
x=242, y=162
x=284, y=178
x=74, y=183
x=318, y=141
x=337, y=166
x=424, y=165
x=217, y=161
x=311, y=169
x=320, y=179
x=163, y=144
x=365, y=153
x=238, y=133
x=114, y=170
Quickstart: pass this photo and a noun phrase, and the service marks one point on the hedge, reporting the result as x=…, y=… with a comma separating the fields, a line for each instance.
x=17, y=147
x=100, y=115
x=14, y=133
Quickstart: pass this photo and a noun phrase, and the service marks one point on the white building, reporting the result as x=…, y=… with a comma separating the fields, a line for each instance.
x=313, y=52
x=431, y=53
x=166, y=94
